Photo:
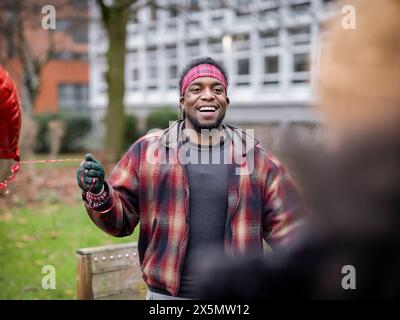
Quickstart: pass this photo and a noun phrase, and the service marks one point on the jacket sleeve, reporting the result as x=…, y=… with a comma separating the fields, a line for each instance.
x=284, y=211
x=119, y=215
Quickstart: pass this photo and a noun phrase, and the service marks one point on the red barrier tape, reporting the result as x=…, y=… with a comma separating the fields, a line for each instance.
x=15, y=168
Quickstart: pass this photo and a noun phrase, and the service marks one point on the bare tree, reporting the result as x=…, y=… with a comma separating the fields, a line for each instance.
x=18, y=17
x=115, y=16
x=25, y=48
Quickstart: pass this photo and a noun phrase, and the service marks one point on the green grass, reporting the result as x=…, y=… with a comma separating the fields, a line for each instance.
x=48, y=235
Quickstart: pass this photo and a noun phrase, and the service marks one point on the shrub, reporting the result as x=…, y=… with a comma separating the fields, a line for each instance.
x=131, y=131
x=160, y=118
x=77, y=126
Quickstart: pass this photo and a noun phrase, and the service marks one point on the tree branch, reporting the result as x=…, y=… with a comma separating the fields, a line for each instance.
x=103, y=10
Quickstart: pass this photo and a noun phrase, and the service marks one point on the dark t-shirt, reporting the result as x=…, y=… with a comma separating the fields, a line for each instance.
x=208, y=204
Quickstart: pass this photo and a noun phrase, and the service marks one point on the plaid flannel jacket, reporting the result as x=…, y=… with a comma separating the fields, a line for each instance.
x=149, y=185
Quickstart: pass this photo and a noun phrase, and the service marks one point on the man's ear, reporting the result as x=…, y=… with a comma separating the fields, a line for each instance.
x=228, y=101
x=181, y=108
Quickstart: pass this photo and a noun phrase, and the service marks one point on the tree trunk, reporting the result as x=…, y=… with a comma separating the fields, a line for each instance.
x=116, y=28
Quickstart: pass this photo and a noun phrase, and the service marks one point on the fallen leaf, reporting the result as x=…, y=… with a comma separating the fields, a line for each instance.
x=6, y=217
x=29, y=288
x=21, y=220
x=28, y=238
x=69, y=292
x=20, y=245
x=38, y=262
x=54, y=234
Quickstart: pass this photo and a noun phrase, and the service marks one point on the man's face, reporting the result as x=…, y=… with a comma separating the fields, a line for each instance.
x=205, y=104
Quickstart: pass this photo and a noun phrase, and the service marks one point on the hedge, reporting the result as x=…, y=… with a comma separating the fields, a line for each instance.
x=77, y=125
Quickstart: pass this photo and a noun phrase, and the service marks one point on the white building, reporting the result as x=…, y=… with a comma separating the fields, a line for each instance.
x=266, y=46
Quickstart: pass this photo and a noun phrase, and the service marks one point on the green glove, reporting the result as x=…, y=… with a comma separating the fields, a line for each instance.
x=90, y=175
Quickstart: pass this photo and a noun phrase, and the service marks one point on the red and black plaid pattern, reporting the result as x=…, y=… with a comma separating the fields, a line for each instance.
x=202, y=70
x=263, y=205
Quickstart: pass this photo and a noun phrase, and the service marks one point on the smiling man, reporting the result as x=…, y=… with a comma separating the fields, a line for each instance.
x=203, y=95
x=197, y=186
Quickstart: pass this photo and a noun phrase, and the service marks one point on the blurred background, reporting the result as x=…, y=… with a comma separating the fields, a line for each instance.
x=93, y=76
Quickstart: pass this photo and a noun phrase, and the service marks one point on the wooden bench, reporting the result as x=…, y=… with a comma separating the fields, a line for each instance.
x=110, y=272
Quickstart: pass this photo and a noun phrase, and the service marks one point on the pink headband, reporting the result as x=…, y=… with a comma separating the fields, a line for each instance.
x=202, y=70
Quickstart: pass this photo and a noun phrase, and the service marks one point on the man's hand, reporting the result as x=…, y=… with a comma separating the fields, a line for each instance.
x=90, y=175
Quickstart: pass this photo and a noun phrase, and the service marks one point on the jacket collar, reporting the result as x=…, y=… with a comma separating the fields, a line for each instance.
x=243, y=143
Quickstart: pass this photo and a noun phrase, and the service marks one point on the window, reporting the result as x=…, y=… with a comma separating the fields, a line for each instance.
x=242, y=77
x=63, y=55
x=172, y=25
x=300, y=35
x=300, y=68
x=271, y=83
x=269, y=13
x=173, y=72
x=194, y=5
x=151, y=61
x=216, y=4
x=301, y=8
x=79, y=4
x=241, y=41
x=152, y=72
x=217, y=20
x=271, y=64
x=153, y=13
x=215, y=45
x=243, y=66
x=73, y=96
x=135, y=74
x=193, y=48
x=241, y=37
x=69, y=55
x=79, y=32
x=243, y=7
x=133, y=54
x=152, y=53
x=269, y=38
x=300, y=62
x=193, y=25
x=243, y=14
x=152, y=77
x=267, y=34
x=172, y=11
x=63, y=25
x=103, y=76
x=171, y=51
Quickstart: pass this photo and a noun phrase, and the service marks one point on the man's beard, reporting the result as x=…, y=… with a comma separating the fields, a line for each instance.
x=198, y=126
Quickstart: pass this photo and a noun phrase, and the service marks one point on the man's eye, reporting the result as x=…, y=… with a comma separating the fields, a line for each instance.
x=195, y=90
x=218, y=90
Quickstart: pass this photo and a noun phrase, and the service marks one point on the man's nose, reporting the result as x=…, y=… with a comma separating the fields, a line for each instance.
x=207, y=94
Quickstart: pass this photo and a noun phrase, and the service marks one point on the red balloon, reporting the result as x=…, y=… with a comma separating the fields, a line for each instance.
x=10, y=122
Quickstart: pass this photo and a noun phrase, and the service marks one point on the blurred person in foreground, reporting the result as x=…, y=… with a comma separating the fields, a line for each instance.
x=196, y=185
x=351, y=248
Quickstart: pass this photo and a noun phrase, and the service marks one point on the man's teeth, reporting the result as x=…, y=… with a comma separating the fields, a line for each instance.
x=207, y=109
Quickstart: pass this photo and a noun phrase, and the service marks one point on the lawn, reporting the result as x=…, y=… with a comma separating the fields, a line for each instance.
x=49, y=234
